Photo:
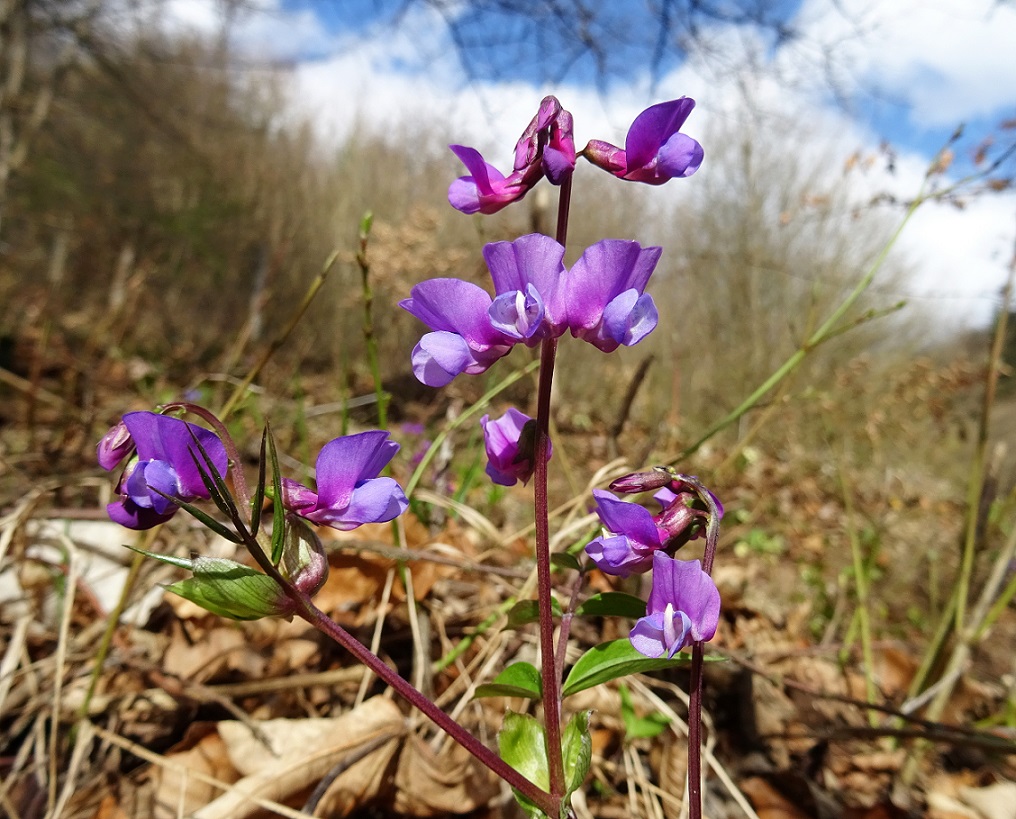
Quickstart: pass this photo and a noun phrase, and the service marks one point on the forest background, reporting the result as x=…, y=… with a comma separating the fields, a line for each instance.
x=175, y=175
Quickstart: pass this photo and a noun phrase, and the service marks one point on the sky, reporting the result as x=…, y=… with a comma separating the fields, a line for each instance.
x=856, y=74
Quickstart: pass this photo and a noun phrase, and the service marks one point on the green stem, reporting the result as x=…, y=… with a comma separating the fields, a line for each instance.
x=368, y=320
x=280, y=339
x=826, y=331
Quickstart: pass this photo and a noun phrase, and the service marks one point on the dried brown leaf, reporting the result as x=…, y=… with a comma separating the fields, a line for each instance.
x=437, y=784
x=302, y=752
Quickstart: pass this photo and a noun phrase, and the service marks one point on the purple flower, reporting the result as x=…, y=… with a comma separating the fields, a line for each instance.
x=683, y=607
x=632, y=537
x=349, y=491
x=601, y=300
x=464, y=340
x=654, y=150
x=510, y=442
x=164, y=466
x=546, y=147
x=607, y=303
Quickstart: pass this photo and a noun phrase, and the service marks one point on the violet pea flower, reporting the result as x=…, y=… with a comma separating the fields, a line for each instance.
x=350, y=493
x=510, y=442
x=546, y=147
x=683, y=607
x=163, y=469
x=632, y=537
x=607, y=302
x=654, y=150
x=463, y=341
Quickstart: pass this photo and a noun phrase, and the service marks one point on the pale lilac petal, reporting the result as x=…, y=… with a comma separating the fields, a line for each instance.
x=344, y=462
x=680, y=157
x=439, y=357
x=532, y=259
x=149, y=481
x=510, y=443
x=659, y=635
x=518, y=314
x=618, y=555
x=603, y=272
x=162, y=438
x=646, y=636
x=627, y=319
x=375, y=501
x=652, y=128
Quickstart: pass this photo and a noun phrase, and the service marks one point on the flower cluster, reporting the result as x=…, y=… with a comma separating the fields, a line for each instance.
x=601, y=299
x=684, y=603
x=654, y=152
x=165, y=471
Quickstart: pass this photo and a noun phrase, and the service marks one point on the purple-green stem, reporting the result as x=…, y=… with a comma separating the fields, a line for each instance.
x=695, y=684
x=550, y=667
x=323, y=623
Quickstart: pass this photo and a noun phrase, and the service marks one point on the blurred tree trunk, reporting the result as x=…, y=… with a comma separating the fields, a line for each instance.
x=39, y=43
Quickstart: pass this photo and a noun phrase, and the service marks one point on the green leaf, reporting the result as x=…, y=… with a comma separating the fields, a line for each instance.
x=523, y=745
x=278, y=510
x=576, y=751
x=204, y=518
x=528, y=611
x=636, y=727
x=258, y=501
x=612, y=660
x=613, y=604
x=517, y=680
x=565, y=560
x=227, y=588
x=230, y=589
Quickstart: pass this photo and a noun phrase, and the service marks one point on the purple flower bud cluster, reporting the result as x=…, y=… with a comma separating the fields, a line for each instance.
x=684, y=603
x=654, y=152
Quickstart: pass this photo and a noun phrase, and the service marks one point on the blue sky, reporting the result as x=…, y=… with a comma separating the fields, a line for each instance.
x=855, y=73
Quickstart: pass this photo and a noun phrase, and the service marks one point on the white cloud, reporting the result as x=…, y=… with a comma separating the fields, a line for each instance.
x=950, y=61
x=950, y=64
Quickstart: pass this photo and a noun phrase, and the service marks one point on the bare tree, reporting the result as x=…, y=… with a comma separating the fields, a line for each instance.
x=39, y=43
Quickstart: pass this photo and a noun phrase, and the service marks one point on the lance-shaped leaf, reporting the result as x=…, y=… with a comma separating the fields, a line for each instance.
x=520, y=679
x=279, y=511
x=613, y=660
x=613, y=604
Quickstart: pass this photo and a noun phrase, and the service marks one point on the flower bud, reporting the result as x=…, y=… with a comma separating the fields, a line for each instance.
x=114, y=446
x=655, y=478
x=510, y=442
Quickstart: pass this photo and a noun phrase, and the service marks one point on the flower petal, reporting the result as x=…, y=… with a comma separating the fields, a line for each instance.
x=629, y=519
x=456, y=306
x=619, y=555
x=375, y=501
x=532, y=259
x=162, y=438
x=345, y=462
x=680, y=157
x=652, y=128
x=603, y=272
x=683, y=584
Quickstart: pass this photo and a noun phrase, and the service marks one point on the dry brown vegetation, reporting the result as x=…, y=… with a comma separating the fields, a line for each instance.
x=158, y=237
